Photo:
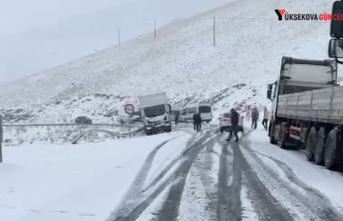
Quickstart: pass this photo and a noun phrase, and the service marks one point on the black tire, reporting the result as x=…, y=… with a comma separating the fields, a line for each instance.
x=221, y=130
x=283, y=136
x=330, y=154
x=319, y=147
x=310, y=144
x=271, y=133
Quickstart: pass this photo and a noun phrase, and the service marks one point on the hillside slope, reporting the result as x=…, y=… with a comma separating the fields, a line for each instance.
x=182, y=61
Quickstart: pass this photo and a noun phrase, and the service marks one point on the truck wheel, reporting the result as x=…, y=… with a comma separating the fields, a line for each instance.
x=283, y=136
x=310, y=144
x=319, y=147
x=331, y=150
x=271, y=134
x=221, y=130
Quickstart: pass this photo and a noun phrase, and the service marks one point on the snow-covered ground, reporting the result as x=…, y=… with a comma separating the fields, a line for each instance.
x=58, y=135
x=293, y=164
x=181, y=61
x=82, y=182
x=90, y=181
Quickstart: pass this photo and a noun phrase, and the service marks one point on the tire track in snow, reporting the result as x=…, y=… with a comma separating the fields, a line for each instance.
x=223, y=187
x=170, y=208
x=136, y=187
x=229, y=195
x=311, y=199
x=158, y=178
x=234, y=200
x=265, y=204
x=133, y=212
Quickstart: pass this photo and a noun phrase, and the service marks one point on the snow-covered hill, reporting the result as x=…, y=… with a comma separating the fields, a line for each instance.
x=182, y=61
x=39, y=28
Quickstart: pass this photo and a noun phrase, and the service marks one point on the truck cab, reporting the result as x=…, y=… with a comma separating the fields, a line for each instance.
x=155, y=112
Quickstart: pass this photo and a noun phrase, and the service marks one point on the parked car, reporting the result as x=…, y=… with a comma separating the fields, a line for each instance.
x=83, y=120
x=225, y=122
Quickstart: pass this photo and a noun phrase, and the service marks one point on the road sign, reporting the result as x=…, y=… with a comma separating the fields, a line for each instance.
x=129, y=109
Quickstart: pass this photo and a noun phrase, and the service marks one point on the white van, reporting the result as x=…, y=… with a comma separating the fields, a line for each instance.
x=205, y=110
x=175, y=111
x=183, y=114
x=191, y=110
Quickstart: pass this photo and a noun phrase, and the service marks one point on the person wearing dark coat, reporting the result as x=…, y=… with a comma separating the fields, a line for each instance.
x=177, y=115
x=254, y=118
x=197, y=122
x=234, y=124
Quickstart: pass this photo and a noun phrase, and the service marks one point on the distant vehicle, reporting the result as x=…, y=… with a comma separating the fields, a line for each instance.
x=175, y=111
x=205, y=110
x=225, y=122
x=155, y=112
x=83, y=120
x=183, y=114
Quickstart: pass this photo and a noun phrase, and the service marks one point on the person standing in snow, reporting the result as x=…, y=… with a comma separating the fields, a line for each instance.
x=177, y=115
x=234, y=124
x=197, y=122
x=265, y=118
x=254, y=118
x=248, y=110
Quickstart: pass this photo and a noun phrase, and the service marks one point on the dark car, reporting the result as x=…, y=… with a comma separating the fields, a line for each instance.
x=83, y=120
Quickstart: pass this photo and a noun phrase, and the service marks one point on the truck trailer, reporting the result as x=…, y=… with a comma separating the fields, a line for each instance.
x=307, y=110
x=155, y=113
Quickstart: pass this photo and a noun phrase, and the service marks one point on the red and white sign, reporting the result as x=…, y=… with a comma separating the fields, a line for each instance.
x=129, y=108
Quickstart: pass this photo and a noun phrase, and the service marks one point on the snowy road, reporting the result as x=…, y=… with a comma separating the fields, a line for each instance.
x=219, y=180
x=182, y=176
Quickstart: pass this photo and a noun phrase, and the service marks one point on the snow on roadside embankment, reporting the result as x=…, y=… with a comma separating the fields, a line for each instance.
x=70, y=182
x=57, y=135
x=104, y=108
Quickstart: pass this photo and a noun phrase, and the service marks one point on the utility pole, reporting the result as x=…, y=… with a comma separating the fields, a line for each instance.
x=118, y=36
x=214, y=31
x=155, y=26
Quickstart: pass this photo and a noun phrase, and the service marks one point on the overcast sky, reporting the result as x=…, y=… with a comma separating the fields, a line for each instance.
x=40, y=34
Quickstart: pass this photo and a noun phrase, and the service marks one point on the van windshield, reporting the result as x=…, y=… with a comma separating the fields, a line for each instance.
x=227, y=115
x=176, y=112
x=204, y=109
x=155, y=111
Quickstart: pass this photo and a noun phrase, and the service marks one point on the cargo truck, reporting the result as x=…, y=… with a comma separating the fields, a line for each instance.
x=307, y=110
x=155, y=113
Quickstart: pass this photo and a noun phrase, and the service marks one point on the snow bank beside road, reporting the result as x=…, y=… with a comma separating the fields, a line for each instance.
x=54, y=135
x=86, y=181
x=327, y=182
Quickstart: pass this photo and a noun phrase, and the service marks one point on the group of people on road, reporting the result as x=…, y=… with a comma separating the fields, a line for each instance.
x=254, y=116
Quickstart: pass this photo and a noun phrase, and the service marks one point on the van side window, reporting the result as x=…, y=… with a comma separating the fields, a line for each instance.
x=192, y=110
x=184, y=111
